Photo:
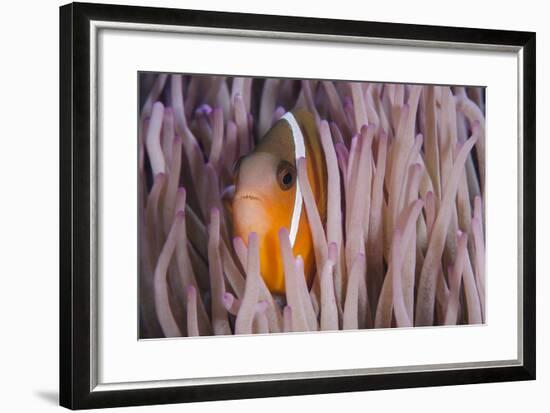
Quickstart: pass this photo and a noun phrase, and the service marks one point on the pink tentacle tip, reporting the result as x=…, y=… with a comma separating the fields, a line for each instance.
x=261, y=306
x=160, y=176
x=252, y=237
x=204, y=109
x=283, y=233
x=238, y=242
x=181, y=190
x=299, y=265
x=278, y=112
x=228, y=299
x=180, y=215
x=169, y=111
x=214, y=212
x=190, y=290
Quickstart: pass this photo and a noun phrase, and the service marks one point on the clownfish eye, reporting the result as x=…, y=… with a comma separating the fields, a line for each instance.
x=286, y=175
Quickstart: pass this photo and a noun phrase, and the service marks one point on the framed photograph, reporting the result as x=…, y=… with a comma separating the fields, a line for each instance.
x=258, y=205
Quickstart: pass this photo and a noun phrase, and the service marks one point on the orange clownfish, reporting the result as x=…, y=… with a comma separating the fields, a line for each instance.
x=268, y=195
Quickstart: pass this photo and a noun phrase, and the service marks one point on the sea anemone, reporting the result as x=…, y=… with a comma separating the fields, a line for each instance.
x=403, y=241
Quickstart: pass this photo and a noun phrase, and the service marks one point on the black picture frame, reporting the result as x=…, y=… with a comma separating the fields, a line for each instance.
x=75, y=219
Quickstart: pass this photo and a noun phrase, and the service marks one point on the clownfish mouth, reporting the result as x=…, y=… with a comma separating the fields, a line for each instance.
x=248, y=196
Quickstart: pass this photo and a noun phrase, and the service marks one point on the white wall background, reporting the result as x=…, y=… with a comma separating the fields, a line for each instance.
x=29, y=206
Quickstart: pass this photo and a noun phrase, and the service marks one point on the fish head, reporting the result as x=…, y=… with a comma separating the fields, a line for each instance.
x=265, y=191
x=265, y=188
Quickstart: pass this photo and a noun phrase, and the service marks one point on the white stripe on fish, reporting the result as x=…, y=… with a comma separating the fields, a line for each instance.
x=299, y=152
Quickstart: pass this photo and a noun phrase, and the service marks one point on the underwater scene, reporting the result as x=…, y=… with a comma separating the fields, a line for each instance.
x=278, y=205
